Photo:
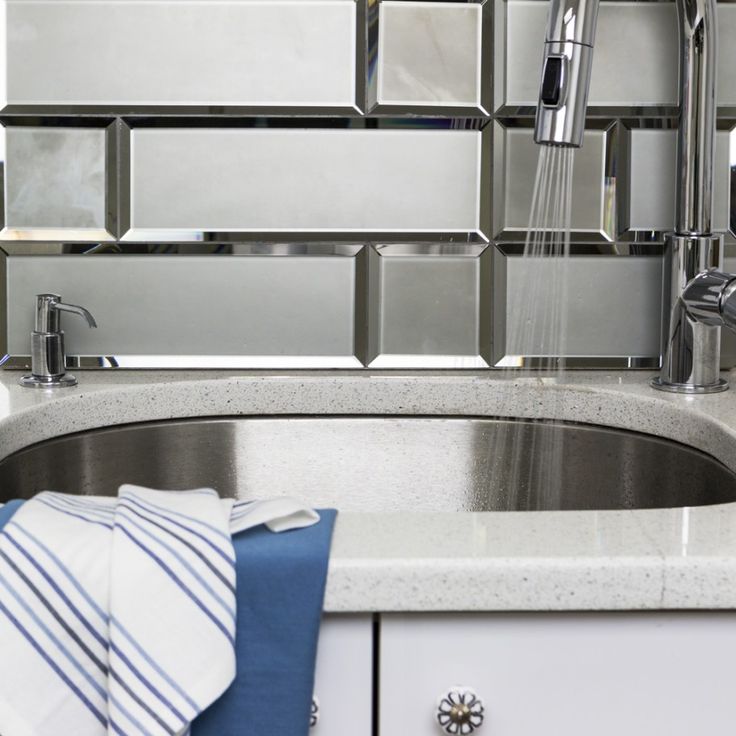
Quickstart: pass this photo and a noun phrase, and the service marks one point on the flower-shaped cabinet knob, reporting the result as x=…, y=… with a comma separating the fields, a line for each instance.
x=460, y=712
x=314, y=712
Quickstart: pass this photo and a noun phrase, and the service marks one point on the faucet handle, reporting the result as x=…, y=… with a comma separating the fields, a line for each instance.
x=48, y=307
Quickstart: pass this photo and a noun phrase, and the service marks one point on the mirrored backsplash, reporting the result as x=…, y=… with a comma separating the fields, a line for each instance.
x=332, y=183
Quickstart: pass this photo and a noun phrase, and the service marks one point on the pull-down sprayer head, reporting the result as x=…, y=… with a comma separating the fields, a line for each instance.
x=568, y=58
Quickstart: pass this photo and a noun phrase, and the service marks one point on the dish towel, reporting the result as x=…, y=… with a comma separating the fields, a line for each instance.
x=118, y=615
x=281, y=583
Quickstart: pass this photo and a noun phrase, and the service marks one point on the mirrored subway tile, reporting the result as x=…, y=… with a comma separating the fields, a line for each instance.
x=593, y=205
x=430, y=54
x=610, y=307
x=304, y=180
x=190, y=52
x=726, y=94
x=427, y=306
x=650, y=173
x=635, y=61
x=55, y=184
x=250, y=311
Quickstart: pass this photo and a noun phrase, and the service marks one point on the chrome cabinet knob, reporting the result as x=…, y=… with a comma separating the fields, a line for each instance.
x=314, y=712
x=460, y=711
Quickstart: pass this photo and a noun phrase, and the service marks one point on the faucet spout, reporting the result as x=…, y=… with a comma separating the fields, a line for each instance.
x=691, y=335
x=697, y=116
x=691, y=353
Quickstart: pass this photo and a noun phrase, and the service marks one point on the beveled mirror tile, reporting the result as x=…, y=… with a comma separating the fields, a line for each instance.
x=425, y=306
x=257, y=311
x=55, y=184
x=514, y=172
x=635, y=61
x=726, y=94
x=191, y=52
x=429, y=54
x=651, y=180
x=611, y=309
x=304, y=180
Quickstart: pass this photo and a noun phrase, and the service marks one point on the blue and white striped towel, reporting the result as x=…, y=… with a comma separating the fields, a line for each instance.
x=117, y=615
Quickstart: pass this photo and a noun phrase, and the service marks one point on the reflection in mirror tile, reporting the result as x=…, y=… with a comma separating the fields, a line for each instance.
x=304, y=180
x=726, y=93
x=55, y=184
x=635, y=61
x=651, y=179
x=613, y=307
x=252, y=311
x=594, y=184
x=196, y=52
x=429, y=53
x=427, y=306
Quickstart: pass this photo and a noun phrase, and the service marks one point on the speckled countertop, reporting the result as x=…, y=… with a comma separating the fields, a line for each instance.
x=604, y=560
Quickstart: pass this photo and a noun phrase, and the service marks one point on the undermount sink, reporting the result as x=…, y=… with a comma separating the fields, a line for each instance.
x=380, y=463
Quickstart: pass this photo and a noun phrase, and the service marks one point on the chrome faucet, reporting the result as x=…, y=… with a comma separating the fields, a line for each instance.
x=700, y=298
x=48, y=359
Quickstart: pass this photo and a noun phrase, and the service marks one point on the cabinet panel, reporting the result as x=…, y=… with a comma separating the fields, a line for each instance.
x=572, y=674
x=344, y=681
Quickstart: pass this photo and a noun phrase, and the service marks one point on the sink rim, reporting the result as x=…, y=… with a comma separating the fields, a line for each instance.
x=647, y=495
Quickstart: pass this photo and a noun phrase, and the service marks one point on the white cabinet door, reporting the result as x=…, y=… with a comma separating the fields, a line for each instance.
x=637, y=674
x=344, y=677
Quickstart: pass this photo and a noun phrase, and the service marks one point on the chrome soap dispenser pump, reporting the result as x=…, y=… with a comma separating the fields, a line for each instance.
x=48, y=358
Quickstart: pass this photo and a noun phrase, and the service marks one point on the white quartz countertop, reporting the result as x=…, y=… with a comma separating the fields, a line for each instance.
x=588, y=560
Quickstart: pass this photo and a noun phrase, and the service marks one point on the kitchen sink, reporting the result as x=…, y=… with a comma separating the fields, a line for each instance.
x=381, y=463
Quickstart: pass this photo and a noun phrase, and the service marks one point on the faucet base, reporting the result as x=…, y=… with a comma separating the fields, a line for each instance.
x=32, y=381
x=689, y=388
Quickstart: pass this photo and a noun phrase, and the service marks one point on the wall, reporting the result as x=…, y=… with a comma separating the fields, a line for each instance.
x=331, y=183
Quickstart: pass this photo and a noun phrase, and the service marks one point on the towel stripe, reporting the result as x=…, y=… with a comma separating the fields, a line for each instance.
x=229, y=609
x=131, y=718
x=50, y=634
x=188, y=545
x=114, y=726
x=215, y=548
x=170, y=512
x=82, y=619
x=116, y=625
x=89, y=507
x=117, y=651
x=141, y=704
x=228, y=635
x=46, y=502
x=47, y=605
x=85, y=502
x=86, y=512
x=99, y=716
x=64, y=571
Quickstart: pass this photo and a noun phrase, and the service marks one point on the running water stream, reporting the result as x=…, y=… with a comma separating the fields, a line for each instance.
x=537, y=321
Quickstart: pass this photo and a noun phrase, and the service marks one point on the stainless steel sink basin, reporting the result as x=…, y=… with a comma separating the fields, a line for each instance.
x=381, y=463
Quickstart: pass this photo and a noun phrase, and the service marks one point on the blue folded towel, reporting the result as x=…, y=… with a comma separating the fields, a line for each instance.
x=7, y=511
x=280, y=592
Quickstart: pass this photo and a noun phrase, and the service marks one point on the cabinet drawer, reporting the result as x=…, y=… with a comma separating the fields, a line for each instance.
x=574, y=674
x=343, y=679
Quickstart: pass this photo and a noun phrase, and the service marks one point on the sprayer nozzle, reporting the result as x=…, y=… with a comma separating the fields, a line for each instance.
x=568, y=57
x=550, y=93
x=563, y=94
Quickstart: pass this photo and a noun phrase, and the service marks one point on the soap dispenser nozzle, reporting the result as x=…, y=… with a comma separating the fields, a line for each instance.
x=48, y=358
